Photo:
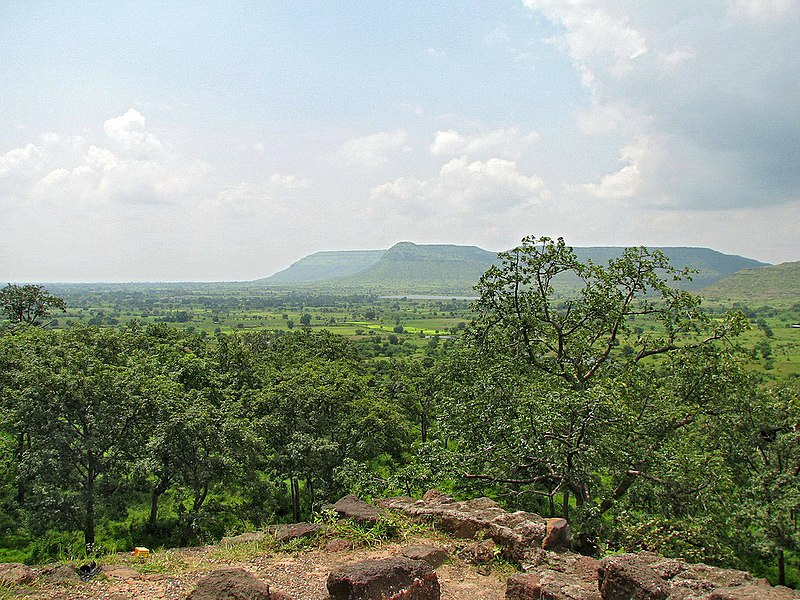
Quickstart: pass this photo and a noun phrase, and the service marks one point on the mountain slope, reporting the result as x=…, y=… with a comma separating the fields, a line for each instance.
x=776, y=284
x=325, y=265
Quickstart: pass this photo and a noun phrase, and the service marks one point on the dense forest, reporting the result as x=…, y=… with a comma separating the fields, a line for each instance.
x=626, y=408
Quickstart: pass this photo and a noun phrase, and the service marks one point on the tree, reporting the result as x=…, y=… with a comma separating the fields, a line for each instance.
x=305, y=319
x=28, y=304
x=76, y=401
x=556, y=396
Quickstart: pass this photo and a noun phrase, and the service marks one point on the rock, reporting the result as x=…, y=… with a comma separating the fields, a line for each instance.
x=627, y=577
x=521, y=535
x=253, y=536
x=386, y=579
x=338, y=545
x=432, y=555
x=16, y=574
x=753, y=592
x=287, y=532
x=558, y=535
x=61, y=574
x=647, y=576
x=478, y=553
x=549, y=585
x=230, y=584
x=350, y=507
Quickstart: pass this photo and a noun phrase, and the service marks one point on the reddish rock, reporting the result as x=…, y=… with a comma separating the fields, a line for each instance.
x=351, y=507
x=387, y=579
x=479, y=553
x=120, y=572
x=16, y=574
x=626, y=577
x=338, y=545
x=550, y=585
x=432, y=555
x=230, y=584
x=753, y=592
x=521, y=535
x=558, y=535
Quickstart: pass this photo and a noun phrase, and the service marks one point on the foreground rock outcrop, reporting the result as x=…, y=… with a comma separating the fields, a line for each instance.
x=521, y=536
x=648, y=576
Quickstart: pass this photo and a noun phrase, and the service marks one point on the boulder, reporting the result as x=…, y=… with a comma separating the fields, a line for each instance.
x=61, y=574
x=230, y=584
x=432, y=555
x=550, y=585
x=648, y=576
x=385, y=579
x=351, y=507
x=16, y=574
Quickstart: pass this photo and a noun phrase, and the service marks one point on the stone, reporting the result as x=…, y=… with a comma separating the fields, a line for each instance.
x=338, y=545
x=230, y=584
x=550, y=585
x=521, y=535
x=385, y=579
x=626, y=577
x=252, y=536
x=479, y=553
x=753, y=592
x=287, y=532
x=16, y=574
x=351, y=507
x=432, y=555
x=61, y=574
x=557, y=535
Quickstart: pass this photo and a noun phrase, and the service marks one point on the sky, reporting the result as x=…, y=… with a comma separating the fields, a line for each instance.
x=215, y=141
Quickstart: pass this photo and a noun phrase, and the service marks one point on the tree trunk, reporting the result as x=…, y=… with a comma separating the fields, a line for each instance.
x=88, y=524
x=154, y=506
x=20, y=480
x=565, y=504
x=781, y=568
x=423, y=427
x=295, y=485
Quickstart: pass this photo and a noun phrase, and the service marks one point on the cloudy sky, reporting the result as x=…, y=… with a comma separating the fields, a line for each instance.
x=224, y=140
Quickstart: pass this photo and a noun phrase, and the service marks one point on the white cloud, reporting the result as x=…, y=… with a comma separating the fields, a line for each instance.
x=19, y=159
x=129, y=132
x=627, y=182
x=373, y=150
x=506, y=142
x=593, y=37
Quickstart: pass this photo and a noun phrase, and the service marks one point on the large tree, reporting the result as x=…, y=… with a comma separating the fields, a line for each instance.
x=28, y=304
x=560, y=392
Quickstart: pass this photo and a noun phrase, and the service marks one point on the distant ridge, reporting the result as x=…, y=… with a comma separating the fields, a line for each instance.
x=778, y=285
x=408, y=268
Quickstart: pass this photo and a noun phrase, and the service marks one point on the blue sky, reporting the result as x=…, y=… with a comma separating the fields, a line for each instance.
x=217, y=141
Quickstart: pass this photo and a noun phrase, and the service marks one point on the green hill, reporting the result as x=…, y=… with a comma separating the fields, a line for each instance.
x=325, y=265
x=432, y=268
x=408, y=268
x=778, y=285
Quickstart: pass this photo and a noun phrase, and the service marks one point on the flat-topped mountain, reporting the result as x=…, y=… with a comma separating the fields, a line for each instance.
x=407, y=268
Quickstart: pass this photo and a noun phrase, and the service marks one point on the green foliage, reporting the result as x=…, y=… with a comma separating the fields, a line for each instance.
x=28, y=304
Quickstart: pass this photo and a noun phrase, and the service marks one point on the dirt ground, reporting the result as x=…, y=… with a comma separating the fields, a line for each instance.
x=303, y=575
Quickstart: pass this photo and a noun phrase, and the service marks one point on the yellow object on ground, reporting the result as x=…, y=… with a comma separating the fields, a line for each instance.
x=141, y=551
